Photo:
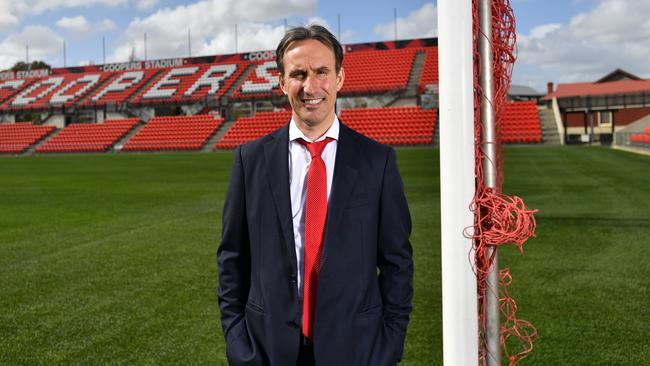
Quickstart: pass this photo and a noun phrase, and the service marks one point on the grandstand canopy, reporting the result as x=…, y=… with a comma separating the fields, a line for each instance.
x=616, y=90
x=611, y=84
x=523, y=92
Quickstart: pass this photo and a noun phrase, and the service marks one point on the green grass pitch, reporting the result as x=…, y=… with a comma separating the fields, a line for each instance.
x=110, y=259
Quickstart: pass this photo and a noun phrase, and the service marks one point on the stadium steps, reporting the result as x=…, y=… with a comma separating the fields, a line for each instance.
x=416, y=74
x=44, y=120
x=408, y=97
x=390, y=98
x=31, y=149
x=221, y=132
x=401, y=101
x=550, y=135
x=239, y=81
x=141, y=113
x=118, y=145
x=192, y=109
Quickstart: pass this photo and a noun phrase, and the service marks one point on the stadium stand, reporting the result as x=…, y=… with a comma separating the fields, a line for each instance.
x=191, y=83
x=377, y=71
x=55, y=90
x=143, y=89
x=88, y=137
x=250, y=128
x=393, y=125
x=17, y=137
x=521, y=123
x=121, y=87
x=174, y=133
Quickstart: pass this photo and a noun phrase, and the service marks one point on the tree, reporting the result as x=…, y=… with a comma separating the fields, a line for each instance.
x=40, y=65
x=34, y=65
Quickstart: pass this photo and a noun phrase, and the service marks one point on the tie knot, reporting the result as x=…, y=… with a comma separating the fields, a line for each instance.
x=315, y=148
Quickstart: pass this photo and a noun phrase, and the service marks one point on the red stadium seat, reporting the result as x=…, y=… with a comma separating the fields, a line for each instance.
x=174, y=133
x=88, y=137
x=520, y=123
x=392, y=125
x=18, y=137
x=247, y=129
x=377, y=71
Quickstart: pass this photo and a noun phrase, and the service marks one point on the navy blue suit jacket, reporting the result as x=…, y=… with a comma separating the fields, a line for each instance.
x=365, y=285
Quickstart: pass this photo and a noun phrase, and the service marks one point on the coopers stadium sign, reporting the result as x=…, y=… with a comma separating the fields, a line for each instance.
x=139, y=65
x=261, y=55
x=24, y=74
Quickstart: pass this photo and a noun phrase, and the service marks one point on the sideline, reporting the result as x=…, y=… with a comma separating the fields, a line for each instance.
x=640, y=151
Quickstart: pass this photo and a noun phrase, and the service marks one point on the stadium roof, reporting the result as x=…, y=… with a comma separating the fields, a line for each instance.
x=618, y=74
x=616, y=82
x=524, y=90
x=591, y=89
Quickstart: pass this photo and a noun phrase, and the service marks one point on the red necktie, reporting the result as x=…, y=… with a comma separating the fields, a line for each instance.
x=315, y=216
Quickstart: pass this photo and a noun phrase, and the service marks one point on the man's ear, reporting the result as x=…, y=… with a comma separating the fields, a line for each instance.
x=282, y=84
x=340, y=77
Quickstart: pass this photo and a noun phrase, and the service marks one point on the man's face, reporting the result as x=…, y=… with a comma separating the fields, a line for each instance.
x=311, y=82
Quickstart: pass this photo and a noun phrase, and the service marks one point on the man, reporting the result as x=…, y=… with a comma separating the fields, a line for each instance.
x=315, y=265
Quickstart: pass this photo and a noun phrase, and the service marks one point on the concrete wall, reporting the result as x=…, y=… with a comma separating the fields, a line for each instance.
x=57, y=120
x=8, y=118
x=114, y=115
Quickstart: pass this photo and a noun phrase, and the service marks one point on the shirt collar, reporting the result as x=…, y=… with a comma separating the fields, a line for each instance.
x=332, y=132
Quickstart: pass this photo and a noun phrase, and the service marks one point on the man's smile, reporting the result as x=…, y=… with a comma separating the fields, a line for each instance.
x=312, y=101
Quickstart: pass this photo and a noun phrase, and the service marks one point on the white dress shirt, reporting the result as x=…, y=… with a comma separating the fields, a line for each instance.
x=299, y=160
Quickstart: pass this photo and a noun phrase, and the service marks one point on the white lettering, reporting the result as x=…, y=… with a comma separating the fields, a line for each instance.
x=261, y=55
x=12, y=84
x=160, y=64
x=215, y=82
x=7, y=75
x=263, y=71
x=156, y=92
x=22, y=98
x=60, y=98
x=124, y=66
x=119, y=84
x=38, y=73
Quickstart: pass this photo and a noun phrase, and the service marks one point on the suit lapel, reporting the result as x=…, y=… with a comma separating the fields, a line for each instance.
x=276, y=152
x=345, y=174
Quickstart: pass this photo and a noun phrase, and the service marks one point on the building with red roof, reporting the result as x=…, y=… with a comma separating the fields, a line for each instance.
x=594, y=111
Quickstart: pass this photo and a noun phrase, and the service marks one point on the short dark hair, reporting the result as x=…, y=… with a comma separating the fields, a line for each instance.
x=314, y=31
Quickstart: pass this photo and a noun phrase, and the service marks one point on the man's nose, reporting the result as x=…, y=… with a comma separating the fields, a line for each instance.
x=310, y=84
